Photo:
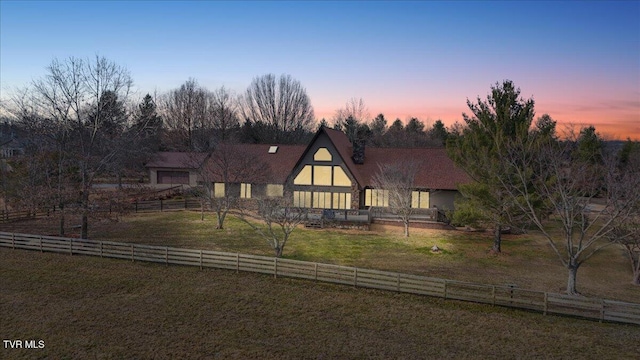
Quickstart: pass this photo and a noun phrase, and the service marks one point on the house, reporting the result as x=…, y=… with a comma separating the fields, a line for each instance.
x=334, y=174
x=329, y=173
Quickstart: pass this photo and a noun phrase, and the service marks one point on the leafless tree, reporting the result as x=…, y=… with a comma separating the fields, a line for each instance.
x=228, y=165
x=398, y=179
x=282, y=104
x=545, y=172
x=280, y=218
x=224, y=112
x=186, y=113
x=352, y=119
x=68, y=98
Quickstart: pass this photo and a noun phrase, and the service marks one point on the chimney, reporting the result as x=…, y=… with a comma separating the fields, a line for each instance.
x=358, y=151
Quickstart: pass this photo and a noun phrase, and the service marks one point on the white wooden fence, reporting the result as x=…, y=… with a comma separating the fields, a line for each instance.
x=547, y=303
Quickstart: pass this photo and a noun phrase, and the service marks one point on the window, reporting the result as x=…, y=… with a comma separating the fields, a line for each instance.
x=420, y=199
x=376, y=197
x=304, y=177
x=218, y=190
x=340, y=178
x=341, y=201
x=322, y=175
x=302, y=199
x=322, y=200
x=245, y=191
x=322, y=154
x=275, y=190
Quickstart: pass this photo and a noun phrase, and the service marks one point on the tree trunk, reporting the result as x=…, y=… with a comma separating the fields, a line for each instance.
x=636, y=278
x=497, y=238
x=61, y=229
x=571, y=281
x=278, y=250
x=220, y=220
x=406, y=228
x=85, y=226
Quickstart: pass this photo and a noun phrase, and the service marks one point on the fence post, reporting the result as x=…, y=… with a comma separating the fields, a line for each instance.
x=40, y=243
x=100, y=248
x=13, y=241
x=200, y=259
x=275, y=268
x=355, y=277
x=160, y=205
x=546, y=304
x=398, y=282
x=237, y=263
x=185, y=203
x=132, y=253
x=71, y=246
x=601, y=310
x=136, y=203
x=315, y=271
x=493, y=295
x=445, y=289
x=166, y=255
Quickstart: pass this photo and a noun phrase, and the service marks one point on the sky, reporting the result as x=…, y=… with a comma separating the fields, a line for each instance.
x=578, y=60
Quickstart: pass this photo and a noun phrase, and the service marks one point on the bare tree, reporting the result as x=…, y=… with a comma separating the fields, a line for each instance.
x=69, y=98
x=222, y=171
x=280, y=220
x=224, y=113
x=553, y=188
x=627, y=235
x=186, y=112
x=352, y=119
x=281, y=104
x=398, y=181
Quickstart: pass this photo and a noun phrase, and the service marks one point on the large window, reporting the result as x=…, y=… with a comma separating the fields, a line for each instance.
x=322, y=175
x=245, y=191
x=321, y=200
x=304, y=177
x=376, y=197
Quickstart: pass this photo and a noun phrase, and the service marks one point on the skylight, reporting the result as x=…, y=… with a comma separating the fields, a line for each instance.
x=273, y=149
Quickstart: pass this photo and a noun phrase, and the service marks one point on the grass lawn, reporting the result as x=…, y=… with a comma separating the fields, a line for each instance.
x=527, y=260
x=87, y=307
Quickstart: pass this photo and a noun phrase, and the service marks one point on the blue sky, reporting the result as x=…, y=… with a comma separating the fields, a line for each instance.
x=580, y=60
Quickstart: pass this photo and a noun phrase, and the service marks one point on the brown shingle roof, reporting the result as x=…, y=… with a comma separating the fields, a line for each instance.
x=437, y=170
x=278, y=165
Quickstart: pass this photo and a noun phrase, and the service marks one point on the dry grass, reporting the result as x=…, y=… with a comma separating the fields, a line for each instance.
x=527, y=260
x=87, y=307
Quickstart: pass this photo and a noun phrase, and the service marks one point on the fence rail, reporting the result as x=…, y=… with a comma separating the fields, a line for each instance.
x=508, y=296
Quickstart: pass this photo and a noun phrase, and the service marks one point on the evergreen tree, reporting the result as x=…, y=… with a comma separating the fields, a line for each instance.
x=502, y=119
